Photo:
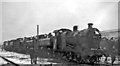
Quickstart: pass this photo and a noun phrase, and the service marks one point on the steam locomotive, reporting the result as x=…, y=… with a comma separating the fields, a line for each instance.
x=73, y=45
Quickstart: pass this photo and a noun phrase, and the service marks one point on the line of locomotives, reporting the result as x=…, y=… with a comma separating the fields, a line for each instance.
x=74, y=45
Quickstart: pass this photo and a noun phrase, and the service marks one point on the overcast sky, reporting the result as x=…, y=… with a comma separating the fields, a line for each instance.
x=19, y=19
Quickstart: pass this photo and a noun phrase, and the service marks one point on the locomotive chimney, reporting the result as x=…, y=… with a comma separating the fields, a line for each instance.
x=75, y=28
x=90, y=25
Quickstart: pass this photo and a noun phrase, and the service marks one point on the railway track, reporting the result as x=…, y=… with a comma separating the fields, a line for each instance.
x=89, y=65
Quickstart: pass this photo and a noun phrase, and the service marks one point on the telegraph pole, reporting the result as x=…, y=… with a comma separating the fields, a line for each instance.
x=37, y=40
x=37, y=30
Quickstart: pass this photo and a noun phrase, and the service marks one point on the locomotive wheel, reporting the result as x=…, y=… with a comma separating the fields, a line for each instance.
x=79, y=59
x=67, y=56
x=92, y=59
x=71, y=57
x=64, y=55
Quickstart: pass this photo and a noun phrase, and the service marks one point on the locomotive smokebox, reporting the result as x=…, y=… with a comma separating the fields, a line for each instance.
x=75, y=28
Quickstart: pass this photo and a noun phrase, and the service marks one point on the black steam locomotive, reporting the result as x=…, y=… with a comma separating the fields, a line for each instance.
x=73, y=45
